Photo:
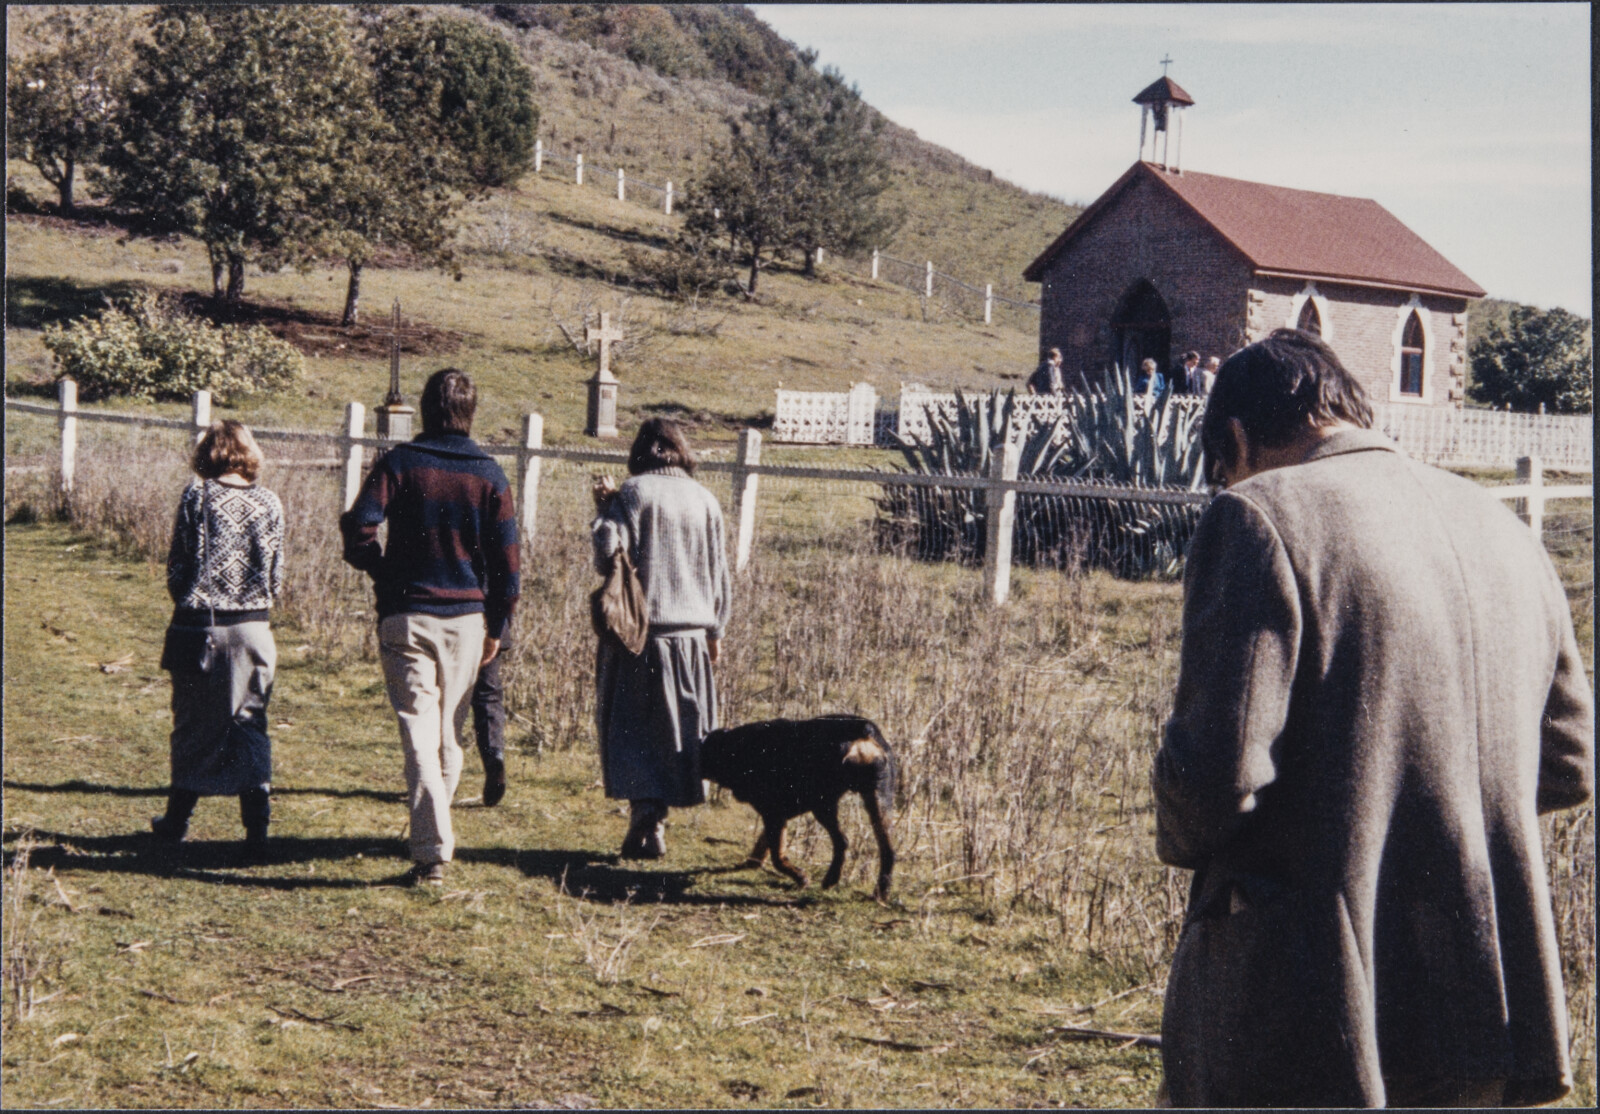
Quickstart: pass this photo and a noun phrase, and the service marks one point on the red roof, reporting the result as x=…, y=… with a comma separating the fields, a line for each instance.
x=1297, y=233
x=1163, y=89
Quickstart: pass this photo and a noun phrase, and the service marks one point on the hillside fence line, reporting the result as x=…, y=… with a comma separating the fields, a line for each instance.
x=922, y=278
x=1438, y=435
x=998, y=490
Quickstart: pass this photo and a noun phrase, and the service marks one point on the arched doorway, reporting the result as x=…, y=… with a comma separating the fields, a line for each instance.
x=1141, y=329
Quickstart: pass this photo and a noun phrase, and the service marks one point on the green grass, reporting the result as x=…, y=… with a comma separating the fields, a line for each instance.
x=500, y=990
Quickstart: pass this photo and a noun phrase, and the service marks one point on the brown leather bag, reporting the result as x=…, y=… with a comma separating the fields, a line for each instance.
x=618, y=606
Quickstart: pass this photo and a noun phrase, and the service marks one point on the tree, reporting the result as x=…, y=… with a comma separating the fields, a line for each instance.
x=1537, y=357
x=456, y=77
x=836, y=139
x=802, y=171
x=396, y=184
x=235, y=121
x=63, y=89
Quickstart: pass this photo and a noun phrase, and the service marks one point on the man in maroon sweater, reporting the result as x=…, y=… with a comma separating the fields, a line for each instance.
x=445, y=586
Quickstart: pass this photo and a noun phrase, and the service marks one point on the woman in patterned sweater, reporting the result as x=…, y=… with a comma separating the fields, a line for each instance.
x=223, y=570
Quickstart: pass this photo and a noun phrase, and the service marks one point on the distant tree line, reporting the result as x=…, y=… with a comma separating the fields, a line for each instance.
x=274, y=135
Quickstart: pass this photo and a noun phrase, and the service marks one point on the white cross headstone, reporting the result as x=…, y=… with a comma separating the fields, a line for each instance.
x=602, y=418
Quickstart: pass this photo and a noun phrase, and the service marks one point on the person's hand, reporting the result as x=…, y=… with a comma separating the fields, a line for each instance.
x=491, y=647
x=714, y=648
x=603, y=489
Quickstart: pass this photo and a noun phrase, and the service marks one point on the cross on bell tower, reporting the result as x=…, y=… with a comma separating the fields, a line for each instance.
x=1160, y=100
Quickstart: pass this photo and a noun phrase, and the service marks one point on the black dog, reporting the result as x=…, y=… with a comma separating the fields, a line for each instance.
x=785, y=767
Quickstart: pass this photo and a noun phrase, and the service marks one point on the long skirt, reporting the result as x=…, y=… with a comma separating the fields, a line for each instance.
x=652, y=710
x=219, y=719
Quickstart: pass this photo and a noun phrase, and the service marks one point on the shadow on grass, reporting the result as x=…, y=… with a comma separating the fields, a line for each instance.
x=32, y=302
x=78, y=785
x=591, y=876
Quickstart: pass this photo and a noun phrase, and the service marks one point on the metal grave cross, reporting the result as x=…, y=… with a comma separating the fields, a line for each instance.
x=394, y=397
x=606, y=335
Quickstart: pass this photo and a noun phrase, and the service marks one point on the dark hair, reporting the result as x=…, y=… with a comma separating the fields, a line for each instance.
x=660, y=443
x=1191, y=355
x=227, y=447
x=449, y=400
x=1276, y=387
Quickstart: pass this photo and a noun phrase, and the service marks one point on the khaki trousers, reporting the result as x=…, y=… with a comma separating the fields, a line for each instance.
x=429, y=666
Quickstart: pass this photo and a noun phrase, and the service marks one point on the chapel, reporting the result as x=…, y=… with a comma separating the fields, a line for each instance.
x=1168, y=260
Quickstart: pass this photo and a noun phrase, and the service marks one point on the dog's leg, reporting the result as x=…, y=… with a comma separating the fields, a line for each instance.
x=759, y=851
x=828, y=817
x=885, y=849
x=774, y=835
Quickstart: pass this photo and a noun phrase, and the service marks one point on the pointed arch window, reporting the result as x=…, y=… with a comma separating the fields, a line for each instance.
x=1310, y=320
x=1411, y=345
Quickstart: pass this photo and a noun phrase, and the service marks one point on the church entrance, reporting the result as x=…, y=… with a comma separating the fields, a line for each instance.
x=1141, y=329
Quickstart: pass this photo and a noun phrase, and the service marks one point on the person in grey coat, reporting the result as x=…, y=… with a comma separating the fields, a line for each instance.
x=224, y=568
x=653, y=708
x=1379, y=694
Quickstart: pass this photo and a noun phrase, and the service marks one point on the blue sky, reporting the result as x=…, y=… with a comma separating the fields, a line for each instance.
x=1470, y=122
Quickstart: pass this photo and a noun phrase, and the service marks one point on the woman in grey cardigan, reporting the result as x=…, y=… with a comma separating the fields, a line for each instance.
x=224, y=567
x=653, y=708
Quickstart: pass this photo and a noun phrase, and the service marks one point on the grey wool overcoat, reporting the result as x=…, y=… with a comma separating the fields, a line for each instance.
x=1379, y=693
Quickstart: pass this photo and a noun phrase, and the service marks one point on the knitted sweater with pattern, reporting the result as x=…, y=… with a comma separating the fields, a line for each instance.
x=227, y=548
x=452, y=547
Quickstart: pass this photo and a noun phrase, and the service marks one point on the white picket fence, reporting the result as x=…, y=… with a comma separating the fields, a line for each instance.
x=1438, y=435
x=999, y=488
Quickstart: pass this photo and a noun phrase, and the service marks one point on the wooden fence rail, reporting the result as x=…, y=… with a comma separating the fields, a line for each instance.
x=1000, y=487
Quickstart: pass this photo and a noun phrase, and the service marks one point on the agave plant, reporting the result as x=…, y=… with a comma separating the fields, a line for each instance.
x=1108, y=434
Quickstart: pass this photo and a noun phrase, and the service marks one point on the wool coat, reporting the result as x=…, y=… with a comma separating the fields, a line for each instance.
x=1379, y=693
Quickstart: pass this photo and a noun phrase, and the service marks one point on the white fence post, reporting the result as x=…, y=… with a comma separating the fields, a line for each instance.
x=201, y=419
x=819, y=257
x=580, y=170
x=928, y=286
x=988, y=302
x=355, y=421
x=621, y=192
x=744, y=495
x=1001, y=506
x=67, y=394
x=538, y=155
x=1530, y=471
x=874, y=263
x=528, y=475
x=667, y=206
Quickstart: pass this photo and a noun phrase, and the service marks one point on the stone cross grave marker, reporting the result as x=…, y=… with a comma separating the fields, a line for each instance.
x=394, y=416
x=602, y=419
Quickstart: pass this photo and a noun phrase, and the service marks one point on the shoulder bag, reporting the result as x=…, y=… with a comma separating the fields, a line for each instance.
x=618, y=608
x=192, y=649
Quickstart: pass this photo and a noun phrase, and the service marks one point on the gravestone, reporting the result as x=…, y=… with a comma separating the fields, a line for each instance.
x=602, y=419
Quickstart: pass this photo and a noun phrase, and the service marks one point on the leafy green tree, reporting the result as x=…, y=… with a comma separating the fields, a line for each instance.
x=750, y=193
x=836, y=138
x=463, y=81
x=233, y=126
x=1537, y=357
x=64, y=82
x=804, y=170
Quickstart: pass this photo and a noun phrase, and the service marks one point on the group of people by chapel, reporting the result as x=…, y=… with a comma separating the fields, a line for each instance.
x=1192, y=377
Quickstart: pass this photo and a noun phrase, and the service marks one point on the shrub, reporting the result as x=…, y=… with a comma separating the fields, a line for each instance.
x=1109, y=434
x=1537, y=358
x=141, y=348
x=690, y=266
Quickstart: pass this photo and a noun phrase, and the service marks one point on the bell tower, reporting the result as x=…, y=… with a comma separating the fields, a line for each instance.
x=1162, y=99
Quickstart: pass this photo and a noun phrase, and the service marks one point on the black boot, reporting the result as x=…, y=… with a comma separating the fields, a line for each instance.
x=494, y=781
x=255, y=809
x=173, y=825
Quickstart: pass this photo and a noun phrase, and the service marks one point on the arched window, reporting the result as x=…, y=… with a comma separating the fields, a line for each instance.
x=1310, y=320
x=1411, y=356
